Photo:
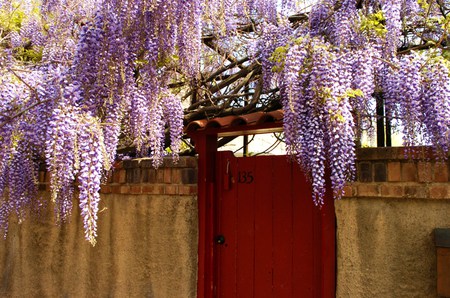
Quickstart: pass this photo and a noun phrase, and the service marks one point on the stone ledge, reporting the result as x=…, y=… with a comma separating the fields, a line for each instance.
x=146, y=162
x=151, y=189
x=395, y=153
x=398, y=190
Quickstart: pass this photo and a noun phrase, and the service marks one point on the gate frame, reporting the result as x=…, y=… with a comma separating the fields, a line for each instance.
x=205, y=141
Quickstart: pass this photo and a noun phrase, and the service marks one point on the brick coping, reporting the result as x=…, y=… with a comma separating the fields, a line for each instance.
x=138, y=176
x=389, y=173
x=381, y=172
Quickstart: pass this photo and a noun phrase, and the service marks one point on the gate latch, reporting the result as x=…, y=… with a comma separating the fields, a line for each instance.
x=227, y=178
x=220, y=239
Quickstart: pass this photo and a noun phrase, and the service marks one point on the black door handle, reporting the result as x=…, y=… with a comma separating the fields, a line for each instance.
x=220, y=239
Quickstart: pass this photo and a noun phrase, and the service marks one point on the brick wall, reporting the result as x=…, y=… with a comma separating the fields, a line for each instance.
x=138, y=176
x=381, y=172
x=385, y=224
x=386, y=172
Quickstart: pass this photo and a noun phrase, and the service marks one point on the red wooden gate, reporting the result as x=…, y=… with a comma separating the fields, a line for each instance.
x=274, y=242
x=268, y=234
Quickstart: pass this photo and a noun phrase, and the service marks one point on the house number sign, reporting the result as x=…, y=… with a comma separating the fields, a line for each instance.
x=245, y=177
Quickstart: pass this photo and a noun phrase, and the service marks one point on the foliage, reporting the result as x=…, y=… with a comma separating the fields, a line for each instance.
x=79, y=79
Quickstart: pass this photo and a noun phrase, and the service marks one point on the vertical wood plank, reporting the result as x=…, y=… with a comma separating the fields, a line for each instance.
x=206, y=146
x=227, y=226
x=303, y=244
x=245, y=226
x=263, y=227
x=282, y=229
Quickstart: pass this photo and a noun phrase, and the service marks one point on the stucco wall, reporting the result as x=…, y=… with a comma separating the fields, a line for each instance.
x=146, y=245
x=385, y=243
x=385, y=247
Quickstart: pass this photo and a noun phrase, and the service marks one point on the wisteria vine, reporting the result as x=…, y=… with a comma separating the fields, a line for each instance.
x=79, y=77
x=332, y=68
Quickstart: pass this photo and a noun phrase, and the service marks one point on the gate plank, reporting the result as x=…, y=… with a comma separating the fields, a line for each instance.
x=245, y=226
x=303, y=244
x=282, y=229
x=226, y=226
x=263, y=228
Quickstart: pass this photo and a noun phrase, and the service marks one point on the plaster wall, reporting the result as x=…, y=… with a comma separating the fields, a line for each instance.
x=146, y=247
x=385, y=246
x=385, y=224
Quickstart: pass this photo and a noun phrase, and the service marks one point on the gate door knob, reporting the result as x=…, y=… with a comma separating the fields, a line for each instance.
x=220, y=239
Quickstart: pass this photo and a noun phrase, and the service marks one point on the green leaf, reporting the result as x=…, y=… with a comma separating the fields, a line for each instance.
x=375, y=23
x=279, y=58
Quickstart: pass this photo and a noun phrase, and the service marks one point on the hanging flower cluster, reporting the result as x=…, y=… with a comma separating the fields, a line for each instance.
x=77, y=75
x=318, y=121
x=331, y=68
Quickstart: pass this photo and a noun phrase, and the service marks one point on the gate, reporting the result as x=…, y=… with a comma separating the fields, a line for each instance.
x=259, y=233
x=268, y=231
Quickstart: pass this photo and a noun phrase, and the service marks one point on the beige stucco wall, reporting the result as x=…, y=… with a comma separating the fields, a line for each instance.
x=147, y=247
x=385, y=246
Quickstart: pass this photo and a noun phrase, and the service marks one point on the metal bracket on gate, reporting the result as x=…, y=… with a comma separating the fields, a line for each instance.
x=227, y=179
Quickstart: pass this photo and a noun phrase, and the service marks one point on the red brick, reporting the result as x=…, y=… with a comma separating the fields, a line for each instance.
x=130, y=164
x=124, y=189
x=118, y=165
x=187, y=189
x=134, y=175
x=160, y=176
x=393, y=191
x=394, y=173
x=167, y=175
x=154, y=189
x=191, y=162
x=109, y=178
x=416, y=152
x=181, y=162
x=115, y=176
x=368, y=190
x=347, y=191
x=115, y=188
x=379, y=172
x=105, y=189
x=168, y=162
x=122, y=176
x=176, y=176
x=413, y=191
x=409, y=171
x=440, y=192
x=189, y=176
x=136, y=189
x=119, y=176
x=440, y=172
x=365, y=172
x=148, y=175
x=171, y=189
x=424, y=171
